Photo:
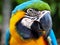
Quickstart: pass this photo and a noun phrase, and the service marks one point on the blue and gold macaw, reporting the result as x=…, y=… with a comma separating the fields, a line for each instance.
x=17, y=34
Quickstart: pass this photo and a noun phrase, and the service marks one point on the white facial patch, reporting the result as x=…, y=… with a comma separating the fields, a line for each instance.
x=27, y=22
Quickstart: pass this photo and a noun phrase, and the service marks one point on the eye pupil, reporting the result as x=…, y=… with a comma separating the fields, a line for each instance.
x=30, y=10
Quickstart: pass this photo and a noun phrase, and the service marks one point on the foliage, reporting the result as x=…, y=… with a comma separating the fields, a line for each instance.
x=1, y=18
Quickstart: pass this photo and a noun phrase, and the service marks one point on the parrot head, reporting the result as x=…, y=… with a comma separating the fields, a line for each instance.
x=35, y=8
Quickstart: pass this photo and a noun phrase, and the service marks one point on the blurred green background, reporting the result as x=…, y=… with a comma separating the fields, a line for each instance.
x=10, y=5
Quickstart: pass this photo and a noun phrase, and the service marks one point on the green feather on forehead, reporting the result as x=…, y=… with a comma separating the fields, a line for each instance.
x=39, y=5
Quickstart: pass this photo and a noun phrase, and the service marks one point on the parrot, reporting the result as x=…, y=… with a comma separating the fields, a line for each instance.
x=28, y=22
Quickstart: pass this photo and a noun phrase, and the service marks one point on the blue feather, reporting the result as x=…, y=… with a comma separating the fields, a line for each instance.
x=7, y=37
x=52, y=36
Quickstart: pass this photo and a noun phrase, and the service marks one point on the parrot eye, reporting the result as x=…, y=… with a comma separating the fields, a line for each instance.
x=29, y=10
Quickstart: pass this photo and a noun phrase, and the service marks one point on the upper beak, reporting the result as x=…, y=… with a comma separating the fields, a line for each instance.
x=46, y=22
